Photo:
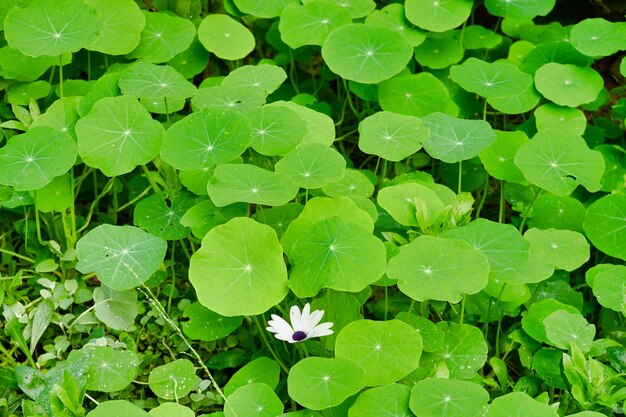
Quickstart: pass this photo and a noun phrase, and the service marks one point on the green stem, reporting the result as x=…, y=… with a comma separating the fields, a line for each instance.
x=61, y=76
x=528, y=208
x=94, y=203
x=483, y=197
x=349, y=99
x=171, y=294
x=463, y=308
x=460, y=179
x=502, y=206
x=153, y=184
x=267, y=344
x=134, y=200
x=167, y=112
x=17, y=255
x=386, y=302
x=38, y=221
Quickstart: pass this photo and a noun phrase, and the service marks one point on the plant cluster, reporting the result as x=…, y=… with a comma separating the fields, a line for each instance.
x=444, y=181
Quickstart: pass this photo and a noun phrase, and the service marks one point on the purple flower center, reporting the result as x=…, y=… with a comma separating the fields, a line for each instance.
x=298, y=336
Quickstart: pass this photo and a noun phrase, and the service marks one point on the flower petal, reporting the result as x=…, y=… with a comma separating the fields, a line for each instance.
x=296, y=317
x=312, y=320
x=279, y=325
x=321, y=330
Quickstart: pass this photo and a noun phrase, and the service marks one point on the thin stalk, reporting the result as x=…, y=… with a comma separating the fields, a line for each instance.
x=38, y=221
x=171, y=294
x=349, y=99
x=483, y=197
x=134, y=200
x=502, y=207
x=17, y=255
x=167, y=111
x=460, y=179
x=528, y=208
x=61, y=76
x=268, y=345
x=463, y=308
x=153, y=184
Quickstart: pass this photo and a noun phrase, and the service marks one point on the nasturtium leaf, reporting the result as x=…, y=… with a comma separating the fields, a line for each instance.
x=490, y=79
x=416, y=95
x=391, y=136
x=454, y=140
x=122, y=22
x=565, y=249
x=266, y=9
x=432, y=336
x=56, y=196
x=434, y=268
x=439, y=397
x=438, y=52
x=390, y=399
x=386, y=350
x=171, y=409
x=559, y=161
x=117, y=135
x=503, y=245
x=312, y=165
x=532, y=320
x=164, y=36
x=123, y=257
x=608, y=283
x=520, y=404
x=605, y=224
x=206, y=325
x=366, y=54
x=260, y=370
x=392, y=17
x=356, y=8
x=276, y=130
x=553, y=52
x=173, y=380
x=615, y=163
x=253, y=400
x=116, y=309
x=519, y=9
x=192, y=61
x=319, y=383
x=340, y=308
x=546, y=362
x=597, y=37
x=353, y=183
x=204, y=138
x=143, y=79
x=61, y=115
x=568, y=85
x=337, y=254
x=245, y=183
x=223, y=36
x=8, y=5
x=586, y=414
x=117, y=408
x=110, y=370
x=463, y=353
x=51, y=27
x=279, y=217
x=564, y=328
x=229, y=98
x=265, y=76
x=310, y=23
x=205, y=215
x=479, y=37
x=438, y=16
x=16, y=66
x=160, y=215
x=22, y=93
x=516, y=104
x=498, y=157
x=31, y=160
x=563, y=119
x=162, y=105
x=320, y=127
x=551, y=211
x=105, y=86
x=239, y=269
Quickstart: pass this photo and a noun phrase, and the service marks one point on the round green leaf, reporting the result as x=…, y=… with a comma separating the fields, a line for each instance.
x=353, y=183
x=205, y=215
x=412, y=204
x=239, y=268
x=416, y=95
x=22, y=93
x=498, y=157
x=532, y=321
x=519, y=9
x=51, y=27
x=521, y=404
x=598, y=37
x=312, y=165
x=279, y=217
x=386, y=350
x=439, y=52
x=391, y=400
x=615, y=163
x=15, y=65
x=490, y=79
x=433, y=268
x=553, y=52
x=122, y=22
x=192, y=61
x=260, y=370
x=225, y=37
x=392, y=17
x=143, y=79
x=564, y=249
x=266, y=9
x=319, y=383
x=253, y=400
x=173, y=380
x=558, y=162
x=356, y=8
x=391, y=136
x=117, y=135
x=309, y=24
x=164, y=36
x=605, y=225
x=233, y=183
x=479, y=37
x=116, y=309
x=117, y=408
x=160, y=215
x=563, y=119
x=453, y=140
x=110, y=370
x=206, y=325
x=265, y=76
x=557, y=212
x=61, y=115
x=439, y=15
x=171, y=409
x=204, y=138
x=608, y=283
x=366, y=54
x=516, y=104
x=564, y=328
x=320, y=127
x=568, y=85
x=123, y=257
x=438, y=397
x=276, y=130
x=56, y=196
x=227, y=98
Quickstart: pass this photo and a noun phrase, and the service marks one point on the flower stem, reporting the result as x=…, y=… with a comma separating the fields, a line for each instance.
x=267, y=344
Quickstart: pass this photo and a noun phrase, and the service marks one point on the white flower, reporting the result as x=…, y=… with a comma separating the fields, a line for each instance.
x=303, y=325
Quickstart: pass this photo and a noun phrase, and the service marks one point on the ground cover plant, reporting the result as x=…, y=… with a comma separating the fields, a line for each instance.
x=312, y=208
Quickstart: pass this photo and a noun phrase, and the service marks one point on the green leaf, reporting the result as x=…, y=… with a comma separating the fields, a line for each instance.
x=22, y=93
x=365, y=54
x=597, y=37
x=563, y=119
x=437, y=397
x=438, y=16
x=225, y=37
x=412, y=204
x=206, y=325
x=123, y=23
x=164, y=36
x=532, y=321
x=253, y=400
x=560, y=161
x=110, y=370
x=117, y=408
x=319, y=383
x=310, y=23
x=320, y=127
x=192, y=61
x=415, y=95
x=160, y=215
x=386, y=350
x=239, y=269
x=312, y=165
x=391, y=136
x=143, y=79
x=340, y=308
x=40, y=321
x=353, y=183
x=266, y=9
x=605, y=225
x=260, y=370
x=433, y=268
x=116, y=309
x=439, y=52
x=56, y=196
x=265, y=76
x=392, y=17
x=171, y=409
x=568, y=85
x=122, y=256
x=19, y=67
x=51, y=27
x=519, y=9
x=390, y=399
x=173, y=380
x=516, y=104
x=276, y=130
x=356, y=8
x=520, y=404
x=478, y=37
x=557, y=212
x=490, y=79
x=117, y=135
x=334, y=253
x=453, y=140
x=61, y=115
x=565, y=249
x=228, y=98
x=497, y=158
x=608, y=283
x=31, y=160
x=564, y=328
